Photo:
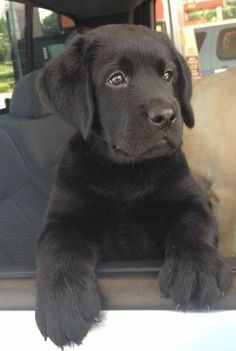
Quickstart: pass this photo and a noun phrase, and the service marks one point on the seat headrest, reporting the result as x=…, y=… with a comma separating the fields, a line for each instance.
x=25, y=101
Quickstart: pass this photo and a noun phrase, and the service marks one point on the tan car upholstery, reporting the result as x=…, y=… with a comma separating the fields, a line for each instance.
x=210, y=148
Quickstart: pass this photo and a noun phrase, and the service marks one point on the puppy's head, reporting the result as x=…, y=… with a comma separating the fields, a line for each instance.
x=125, y=84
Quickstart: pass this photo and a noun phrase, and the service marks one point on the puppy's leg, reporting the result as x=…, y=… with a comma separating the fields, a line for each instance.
x=67, y=296
x=193, y=271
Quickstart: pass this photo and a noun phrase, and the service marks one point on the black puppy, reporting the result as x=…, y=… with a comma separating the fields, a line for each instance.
x=123, y=190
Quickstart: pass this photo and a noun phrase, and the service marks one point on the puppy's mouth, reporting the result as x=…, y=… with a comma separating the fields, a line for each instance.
x=161, y=144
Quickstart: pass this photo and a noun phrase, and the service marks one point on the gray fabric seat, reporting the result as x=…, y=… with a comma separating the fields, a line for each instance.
x=31, y=145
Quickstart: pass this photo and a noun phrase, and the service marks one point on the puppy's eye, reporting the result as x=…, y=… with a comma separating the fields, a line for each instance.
x=168, y=75
x=117, y=79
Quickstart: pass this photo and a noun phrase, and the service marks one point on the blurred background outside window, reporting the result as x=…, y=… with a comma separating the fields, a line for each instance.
x=204, y=31
x=29, y=37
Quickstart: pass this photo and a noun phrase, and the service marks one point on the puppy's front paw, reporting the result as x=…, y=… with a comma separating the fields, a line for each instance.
x=65, y=311
x=195, y=275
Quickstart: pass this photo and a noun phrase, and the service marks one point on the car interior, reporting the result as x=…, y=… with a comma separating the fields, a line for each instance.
x=32, y=142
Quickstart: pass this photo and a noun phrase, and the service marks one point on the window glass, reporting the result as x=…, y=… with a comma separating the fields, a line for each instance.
x=47, y=23
x=9, y=13
x=226, y=47
x=49, y=36
x=28, y=39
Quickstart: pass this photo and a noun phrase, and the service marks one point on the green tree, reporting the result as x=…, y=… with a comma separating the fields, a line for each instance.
x=209, y=15
x=50, y=22
x=3, y=27
x=229, y=12
x=3, y=39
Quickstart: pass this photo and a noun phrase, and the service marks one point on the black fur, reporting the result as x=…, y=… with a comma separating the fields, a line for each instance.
x=123, y=190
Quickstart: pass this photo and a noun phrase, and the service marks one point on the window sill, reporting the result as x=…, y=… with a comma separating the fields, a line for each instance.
x=122, y=285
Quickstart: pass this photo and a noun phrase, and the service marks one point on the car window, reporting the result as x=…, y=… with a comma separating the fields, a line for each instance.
x=226, y=45
x=29, y=37
x=200, y=37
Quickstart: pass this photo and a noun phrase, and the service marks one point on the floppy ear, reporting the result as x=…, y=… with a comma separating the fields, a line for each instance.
x=184, y=88
x=65, y=88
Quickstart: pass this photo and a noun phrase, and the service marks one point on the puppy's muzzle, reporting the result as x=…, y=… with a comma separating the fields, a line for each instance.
x=163, y=118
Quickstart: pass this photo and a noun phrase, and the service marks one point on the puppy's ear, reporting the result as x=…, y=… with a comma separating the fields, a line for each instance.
x=184, y=87
x=65, y=88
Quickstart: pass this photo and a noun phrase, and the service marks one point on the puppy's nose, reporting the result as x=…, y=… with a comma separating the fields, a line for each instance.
x=163, y=118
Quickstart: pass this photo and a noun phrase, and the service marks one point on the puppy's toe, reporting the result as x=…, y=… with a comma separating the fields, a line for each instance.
x=195, y=279
x=224, y=277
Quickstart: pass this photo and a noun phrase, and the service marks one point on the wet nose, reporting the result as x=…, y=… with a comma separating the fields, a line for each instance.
x=163, y=118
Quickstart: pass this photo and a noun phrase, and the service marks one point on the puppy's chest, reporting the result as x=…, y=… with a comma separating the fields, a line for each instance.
x=133, y=230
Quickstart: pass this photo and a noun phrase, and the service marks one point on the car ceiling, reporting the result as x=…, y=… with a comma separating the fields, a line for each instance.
x=86, y=8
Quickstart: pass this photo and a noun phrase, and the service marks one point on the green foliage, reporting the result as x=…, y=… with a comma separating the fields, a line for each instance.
x=6, y=77
x=229, y=12
x=231, y=2
x=50, y=22
x=4, y=41
x=3, y=27
x=3, y=53
x=208, y=15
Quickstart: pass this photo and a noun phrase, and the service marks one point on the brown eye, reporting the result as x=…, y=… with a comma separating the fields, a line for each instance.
x=168, y=75
x=117, y=79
